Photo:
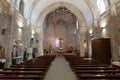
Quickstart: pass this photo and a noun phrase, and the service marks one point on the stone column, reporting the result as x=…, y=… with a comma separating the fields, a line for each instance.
x=89, y=38
x=96, y=29
x=94, y=35
x=26, y=33
x=10, y=34
x=39, y=31
x=82, y=38
x=114, y=33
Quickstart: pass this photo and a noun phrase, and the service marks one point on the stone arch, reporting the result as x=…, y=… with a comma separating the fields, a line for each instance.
x=52, y=7
x=75, y=11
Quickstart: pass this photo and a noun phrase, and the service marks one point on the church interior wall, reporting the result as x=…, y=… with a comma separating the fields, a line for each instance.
x=111, y=30
x=11, y=31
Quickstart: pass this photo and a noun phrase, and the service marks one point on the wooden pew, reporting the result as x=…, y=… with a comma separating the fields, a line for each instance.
x=23, y=73
x=90, y=65
x=29, y=66
x=83, y=67
x=20, y=77
x=25, y=69
x=90, y=70
x=93, y=68
x=80, y=72
x=99, y=77
x=32, y=69
x=78, y=66
x=39, y=62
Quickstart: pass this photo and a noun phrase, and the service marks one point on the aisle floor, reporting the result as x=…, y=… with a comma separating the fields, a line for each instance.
x=60, y=70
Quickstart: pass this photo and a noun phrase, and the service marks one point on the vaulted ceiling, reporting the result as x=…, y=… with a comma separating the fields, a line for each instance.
x=88, y=8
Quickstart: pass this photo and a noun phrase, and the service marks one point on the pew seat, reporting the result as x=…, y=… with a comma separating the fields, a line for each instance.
x=79, y=72
x=93, y=68
x=25, y=69
x=23, y=73
x=20, y=77
x=99, y=77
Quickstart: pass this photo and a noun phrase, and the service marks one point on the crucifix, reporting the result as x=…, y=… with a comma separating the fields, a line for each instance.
x=60, y=40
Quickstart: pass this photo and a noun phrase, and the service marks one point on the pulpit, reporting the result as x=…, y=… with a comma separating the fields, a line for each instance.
x=101, y=50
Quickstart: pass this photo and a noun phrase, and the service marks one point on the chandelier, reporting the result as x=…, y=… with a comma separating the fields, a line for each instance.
x=62, y=10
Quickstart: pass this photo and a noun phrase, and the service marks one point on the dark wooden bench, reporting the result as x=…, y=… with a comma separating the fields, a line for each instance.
x=34, y=69
x=20, y=77
x=44, y=70
x=93, y=68
x=99, y=77
x=79, y=72
x=25, y=69
x=23, y=73
x=90, y=65
x=29, y=66
x=88, y=69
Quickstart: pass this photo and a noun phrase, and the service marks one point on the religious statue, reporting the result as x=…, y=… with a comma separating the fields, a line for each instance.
x=50, y=50
x=60, y=39
x=60, y=47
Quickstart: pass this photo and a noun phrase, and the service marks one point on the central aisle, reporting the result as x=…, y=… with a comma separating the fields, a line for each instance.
x=60, y=70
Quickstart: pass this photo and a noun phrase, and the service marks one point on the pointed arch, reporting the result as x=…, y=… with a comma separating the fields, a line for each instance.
x=80, y=16
x=69, y=6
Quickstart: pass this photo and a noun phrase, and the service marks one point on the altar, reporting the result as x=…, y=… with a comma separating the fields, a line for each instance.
x=60, y=52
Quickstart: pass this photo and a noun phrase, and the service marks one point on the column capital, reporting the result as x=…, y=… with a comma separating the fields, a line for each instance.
x=113, y=9
x=12, y=7
x=95, y=22
x=28, y=21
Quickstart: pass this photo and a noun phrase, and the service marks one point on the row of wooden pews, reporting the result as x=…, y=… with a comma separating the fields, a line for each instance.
x=34, y=69
x=86, y=69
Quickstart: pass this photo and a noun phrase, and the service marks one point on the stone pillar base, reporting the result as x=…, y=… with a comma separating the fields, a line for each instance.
x=7, y=64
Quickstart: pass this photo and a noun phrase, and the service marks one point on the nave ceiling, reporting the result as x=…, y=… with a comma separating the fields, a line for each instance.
x=88, y=8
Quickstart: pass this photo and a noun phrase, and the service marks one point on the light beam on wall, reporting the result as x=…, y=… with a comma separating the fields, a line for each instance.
x=103, y=24
x=19, y=30
x=33, y=32
x=91, y=32
x=20, y=23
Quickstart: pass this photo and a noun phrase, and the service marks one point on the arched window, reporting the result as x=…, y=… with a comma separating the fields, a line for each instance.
x=101, y=6
x=21, y=7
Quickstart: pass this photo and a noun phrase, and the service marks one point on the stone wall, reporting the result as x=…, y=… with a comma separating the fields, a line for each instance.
x=111, y=30
x=10, y=30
